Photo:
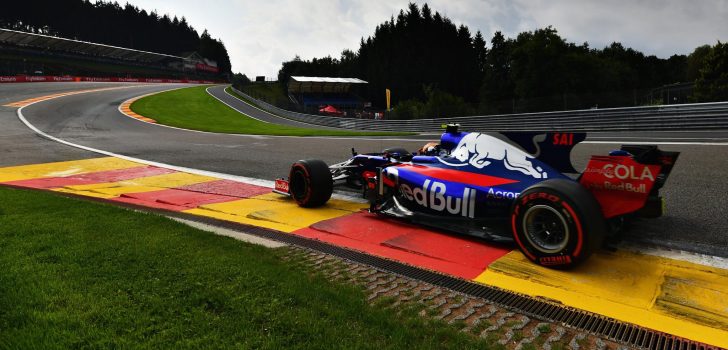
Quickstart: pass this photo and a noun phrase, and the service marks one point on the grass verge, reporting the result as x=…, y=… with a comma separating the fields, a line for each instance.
x=193, y=108
x=78, y=274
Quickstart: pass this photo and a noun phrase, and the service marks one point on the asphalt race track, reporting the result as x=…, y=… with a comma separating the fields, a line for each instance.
x=696, y=192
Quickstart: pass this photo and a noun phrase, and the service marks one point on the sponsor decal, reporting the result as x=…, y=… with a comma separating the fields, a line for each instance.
x=493, y=193
x=97, y=79
x=563, y=139
x=555, y=260
x=207, y=68
x=540, y=195
x=634, y=177
x=480, y=150
x=624, y=172
x=620, y=184
x=8, y=79
x=432, y=195
x=281, y=185
x=626, y=186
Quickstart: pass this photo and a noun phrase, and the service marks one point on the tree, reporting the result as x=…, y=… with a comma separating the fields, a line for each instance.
x=496, y=92
x=712, y=83
x=419, y=49
x=405, y=54
x=481, y=52
x=538, y=69
x=695, y=62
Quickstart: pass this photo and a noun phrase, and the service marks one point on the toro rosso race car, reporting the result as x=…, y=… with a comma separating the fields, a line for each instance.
x=513, y=186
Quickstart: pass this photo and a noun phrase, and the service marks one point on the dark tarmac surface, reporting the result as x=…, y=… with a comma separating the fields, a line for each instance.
x=696, y=192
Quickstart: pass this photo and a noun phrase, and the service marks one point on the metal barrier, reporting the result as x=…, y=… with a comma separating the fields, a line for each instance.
x=699, y=116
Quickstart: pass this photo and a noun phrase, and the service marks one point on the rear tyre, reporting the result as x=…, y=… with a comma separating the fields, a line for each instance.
x=310, y=182
x=557, y=223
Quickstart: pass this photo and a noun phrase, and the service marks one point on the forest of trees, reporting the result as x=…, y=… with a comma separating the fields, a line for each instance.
x=112, y=24
x=435, y=68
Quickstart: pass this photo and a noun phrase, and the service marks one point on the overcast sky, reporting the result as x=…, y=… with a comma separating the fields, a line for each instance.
x=261, y=34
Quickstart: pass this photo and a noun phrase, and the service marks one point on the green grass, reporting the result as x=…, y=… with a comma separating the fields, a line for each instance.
x=78, y=274
x=193, y=108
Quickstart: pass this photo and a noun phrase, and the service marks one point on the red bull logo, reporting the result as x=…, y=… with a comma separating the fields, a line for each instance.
x=480, y=150
x=433, y=195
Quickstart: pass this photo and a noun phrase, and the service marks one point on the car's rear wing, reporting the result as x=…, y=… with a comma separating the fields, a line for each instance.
x=651, y=154
x=628, y=181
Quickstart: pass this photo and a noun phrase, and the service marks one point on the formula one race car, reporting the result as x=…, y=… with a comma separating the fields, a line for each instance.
x=507, y=186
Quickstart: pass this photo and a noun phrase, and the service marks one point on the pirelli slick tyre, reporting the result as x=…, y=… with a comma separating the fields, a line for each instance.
x=557, y=223
x=310, y=183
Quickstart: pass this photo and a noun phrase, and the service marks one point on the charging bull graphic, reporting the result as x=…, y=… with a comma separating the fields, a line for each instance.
x=480, y=150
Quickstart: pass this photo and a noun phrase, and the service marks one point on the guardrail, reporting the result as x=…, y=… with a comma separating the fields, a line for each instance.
x=699, y=116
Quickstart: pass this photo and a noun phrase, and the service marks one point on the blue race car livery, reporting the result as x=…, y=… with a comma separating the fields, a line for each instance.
x=518, y=187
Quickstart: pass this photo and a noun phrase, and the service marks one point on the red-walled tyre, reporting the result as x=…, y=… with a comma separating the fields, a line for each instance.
x=310, y=183
x=557, y=223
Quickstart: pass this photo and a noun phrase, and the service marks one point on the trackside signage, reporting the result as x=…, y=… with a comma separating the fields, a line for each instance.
x=207, y=68
x=53, y=78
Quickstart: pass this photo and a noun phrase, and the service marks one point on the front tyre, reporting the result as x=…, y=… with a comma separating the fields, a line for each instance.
x=557, y=223
x=310, y=183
